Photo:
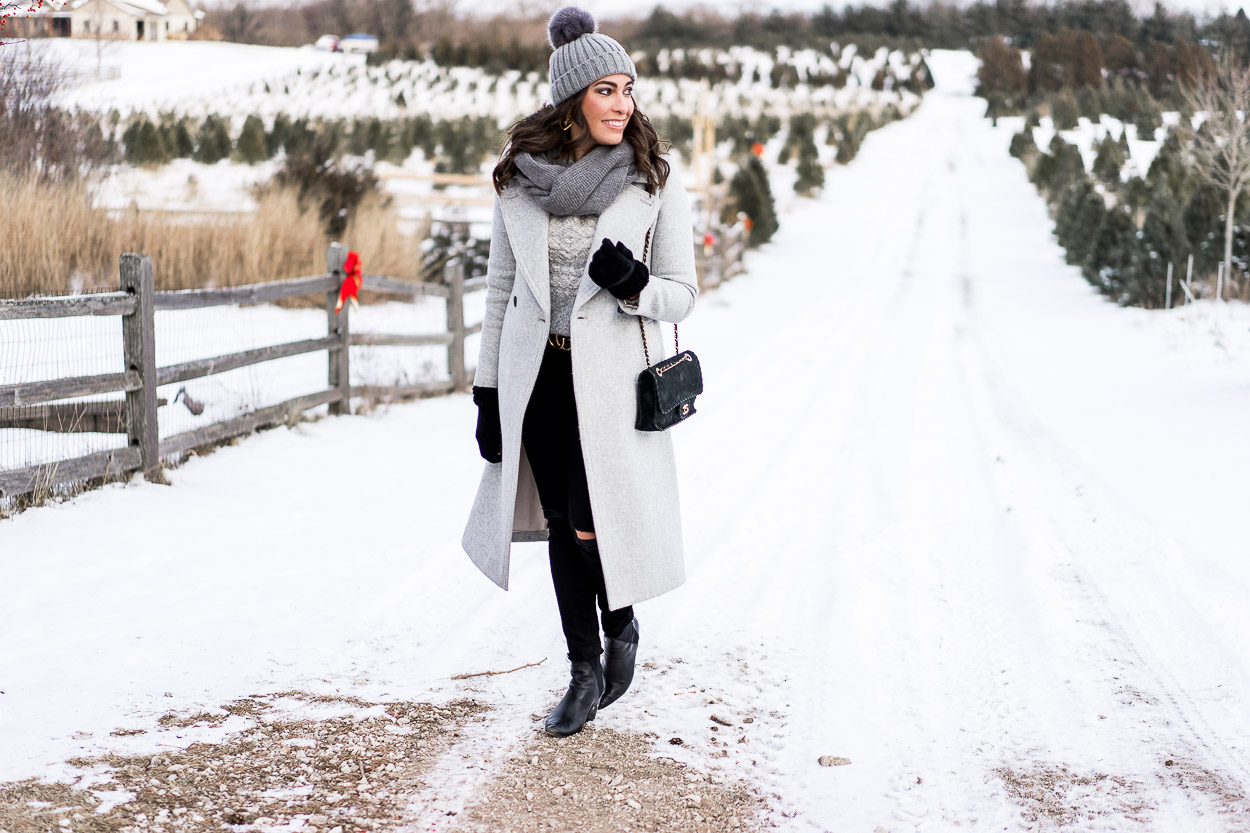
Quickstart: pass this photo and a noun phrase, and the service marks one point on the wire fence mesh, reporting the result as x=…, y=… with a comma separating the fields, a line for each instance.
x=38, y=350
x=35, y=350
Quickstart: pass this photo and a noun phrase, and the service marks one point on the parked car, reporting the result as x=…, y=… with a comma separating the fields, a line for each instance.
x=328, y=43
x=359, y=42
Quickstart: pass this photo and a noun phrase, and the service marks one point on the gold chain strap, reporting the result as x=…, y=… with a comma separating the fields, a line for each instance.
x=646, y=246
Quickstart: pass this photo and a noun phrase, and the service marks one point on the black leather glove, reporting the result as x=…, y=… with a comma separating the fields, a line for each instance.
x=613, y=267
x=489, y=436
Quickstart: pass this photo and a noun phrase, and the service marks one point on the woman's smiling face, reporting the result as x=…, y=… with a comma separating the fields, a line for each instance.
x=607, y=107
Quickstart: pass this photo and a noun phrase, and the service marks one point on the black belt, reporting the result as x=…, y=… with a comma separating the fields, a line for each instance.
x=560, y=342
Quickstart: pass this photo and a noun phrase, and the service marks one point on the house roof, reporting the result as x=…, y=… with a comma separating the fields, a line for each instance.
x=139, y=8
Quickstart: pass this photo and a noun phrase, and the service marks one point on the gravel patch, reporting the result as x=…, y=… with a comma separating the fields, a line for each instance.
x=353, y=769
x=1055, y=796
x=605, y=781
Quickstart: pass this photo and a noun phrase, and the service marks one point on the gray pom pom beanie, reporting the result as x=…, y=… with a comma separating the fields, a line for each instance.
x=582, y=56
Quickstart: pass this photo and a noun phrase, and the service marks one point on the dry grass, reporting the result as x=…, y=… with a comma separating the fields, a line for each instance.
x=58, y=243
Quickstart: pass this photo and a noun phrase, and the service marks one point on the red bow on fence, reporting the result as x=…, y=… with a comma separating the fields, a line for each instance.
x=351, y=283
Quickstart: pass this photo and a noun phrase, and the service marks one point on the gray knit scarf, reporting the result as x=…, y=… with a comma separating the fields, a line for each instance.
x=588, y=186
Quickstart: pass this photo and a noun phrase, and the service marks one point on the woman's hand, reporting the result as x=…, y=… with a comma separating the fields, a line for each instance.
x=489, y=435
x=613, y=267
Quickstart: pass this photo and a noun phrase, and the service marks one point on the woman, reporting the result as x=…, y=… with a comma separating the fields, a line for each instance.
x=581, y=187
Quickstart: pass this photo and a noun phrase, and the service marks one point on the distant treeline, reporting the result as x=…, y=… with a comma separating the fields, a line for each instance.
x=518, y=42
x=1076, y=64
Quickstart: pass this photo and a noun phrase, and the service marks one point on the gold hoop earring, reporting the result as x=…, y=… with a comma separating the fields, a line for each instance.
x=567, y=124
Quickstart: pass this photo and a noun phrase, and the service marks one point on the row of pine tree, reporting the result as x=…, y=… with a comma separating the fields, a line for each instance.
x=1123, y=234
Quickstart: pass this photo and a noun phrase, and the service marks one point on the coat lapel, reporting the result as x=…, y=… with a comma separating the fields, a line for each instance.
x=627, y=220
x=527, y=233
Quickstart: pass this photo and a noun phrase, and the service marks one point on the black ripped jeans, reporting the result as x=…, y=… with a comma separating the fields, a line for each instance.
x=554, y=448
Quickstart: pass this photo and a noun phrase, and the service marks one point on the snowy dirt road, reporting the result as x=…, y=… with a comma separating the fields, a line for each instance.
x=949, y=515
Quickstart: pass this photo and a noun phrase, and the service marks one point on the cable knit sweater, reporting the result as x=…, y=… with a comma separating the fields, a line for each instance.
x=568, y=244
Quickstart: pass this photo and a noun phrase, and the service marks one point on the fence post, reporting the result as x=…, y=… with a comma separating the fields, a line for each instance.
x=454, y=272
x=338, y=324
x=139, y=349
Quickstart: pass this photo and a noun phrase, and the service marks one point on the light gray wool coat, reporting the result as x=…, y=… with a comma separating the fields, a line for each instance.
x=631, y=474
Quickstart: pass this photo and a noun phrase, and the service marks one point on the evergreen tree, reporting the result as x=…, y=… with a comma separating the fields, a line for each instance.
x=1113, y=100
x=811, y=174
x=146, y=146
x=849, y=136
x=752, y=195
x=1078, y=216
x=1135, y=194
x=1169, y=167
x=129, y=135
x=1112, y=255
x=1043, y=172
x=183, y=145
x=1064, y=110
x=251, y=145
x=1204, y=227
x=1108, y=162
x=212, y=142
x=1089, y=103
x=1147, y=119
x=1066, y=215
x=1022, y=145
x=1068, y=167
x=1164, y=240
x=275, y=139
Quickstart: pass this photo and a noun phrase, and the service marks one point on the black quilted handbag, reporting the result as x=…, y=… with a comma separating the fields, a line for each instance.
x=666, y=391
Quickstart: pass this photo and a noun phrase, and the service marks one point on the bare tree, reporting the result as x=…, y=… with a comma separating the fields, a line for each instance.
x=27, y=85
x=104, y=42
x=37, y=138
x=1220, y=148
x=239, y=24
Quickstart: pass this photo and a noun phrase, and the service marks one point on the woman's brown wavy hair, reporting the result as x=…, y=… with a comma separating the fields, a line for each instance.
x=540, y=133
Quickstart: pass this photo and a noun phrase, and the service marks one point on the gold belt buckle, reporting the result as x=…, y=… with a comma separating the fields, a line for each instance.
x=559, y=342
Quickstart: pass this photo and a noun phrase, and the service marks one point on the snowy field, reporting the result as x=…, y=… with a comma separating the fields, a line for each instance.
x=236, y=80
x=949, y=515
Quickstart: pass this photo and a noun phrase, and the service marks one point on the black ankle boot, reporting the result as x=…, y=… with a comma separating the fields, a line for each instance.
x=618, y=663
x=581, y=701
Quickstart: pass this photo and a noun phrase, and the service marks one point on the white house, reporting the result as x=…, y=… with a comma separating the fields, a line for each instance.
x=149, y=20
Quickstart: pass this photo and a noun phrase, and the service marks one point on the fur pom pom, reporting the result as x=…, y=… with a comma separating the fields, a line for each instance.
x=569, y=24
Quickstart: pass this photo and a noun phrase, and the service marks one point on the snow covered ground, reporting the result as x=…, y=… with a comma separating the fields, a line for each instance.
x=948, y=514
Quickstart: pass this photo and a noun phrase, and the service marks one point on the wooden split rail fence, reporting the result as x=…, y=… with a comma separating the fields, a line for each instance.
x=137, y=301
x=41, y=404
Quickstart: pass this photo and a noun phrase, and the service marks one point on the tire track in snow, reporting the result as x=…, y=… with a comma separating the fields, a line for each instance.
x=1080, y=553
